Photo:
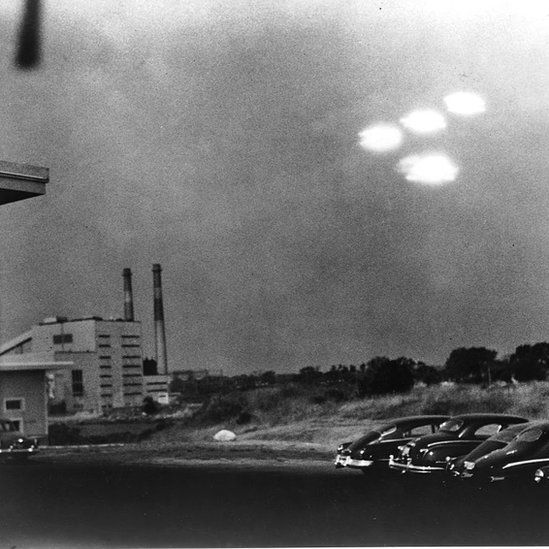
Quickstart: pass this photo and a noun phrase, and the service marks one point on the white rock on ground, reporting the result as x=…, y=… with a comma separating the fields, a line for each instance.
x=224, y=436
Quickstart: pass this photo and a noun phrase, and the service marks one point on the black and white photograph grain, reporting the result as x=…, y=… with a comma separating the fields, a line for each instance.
x=274, y=273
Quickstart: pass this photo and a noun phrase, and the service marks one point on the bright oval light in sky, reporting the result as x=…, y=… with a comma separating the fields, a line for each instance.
x=381, y=138
x=465, y=103
x=424, y=121
x=428, y=168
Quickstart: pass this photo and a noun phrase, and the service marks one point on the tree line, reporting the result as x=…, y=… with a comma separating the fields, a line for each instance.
x=383, y=375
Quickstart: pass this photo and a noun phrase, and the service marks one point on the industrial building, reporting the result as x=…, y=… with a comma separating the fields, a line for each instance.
x=106, y=356
x=107, y=360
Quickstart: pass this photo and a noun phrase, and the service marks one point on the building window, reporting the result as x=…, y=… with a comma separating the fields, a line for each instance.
x=105, y=375
x=106, y=385
x=18, y=424
x=126, y=345
x=11, y=404
x=77, y=383
x=58, y=339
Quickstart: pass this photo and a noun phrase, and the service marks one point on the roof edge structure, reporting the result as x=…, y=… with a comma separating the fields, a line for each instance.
x=21, y=181
x=32, y=361
x=15, y=342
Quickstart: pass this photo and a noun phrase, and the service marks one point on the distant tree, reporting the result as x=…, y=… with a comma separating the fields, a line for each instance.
x=268, y=377
x=530, y=362
x=332, y=375
x=384, y=376
x=470, y=365
x=427, y=374
x=502, y=370
x=245, y=382
x=310, y=375
x=177, y=385
x=362, y=367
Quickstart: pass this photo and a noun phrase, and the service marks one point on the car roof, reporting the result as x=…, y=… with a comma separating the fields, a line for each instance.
x=409, y=420
x=488, y=416
x=543, y=425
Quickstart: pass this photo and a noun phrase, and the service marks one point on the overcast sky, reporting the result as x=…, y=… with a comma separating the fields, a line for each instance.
x=221, y=139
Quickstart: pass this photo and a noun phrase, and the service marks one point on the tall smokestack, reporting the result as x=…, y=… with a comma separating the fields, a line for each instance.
x=159, y=329
x=128, y=295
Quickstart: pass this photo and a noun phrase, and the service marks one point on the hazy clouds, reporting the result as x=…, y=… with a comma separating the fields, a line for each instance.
x=220, y=139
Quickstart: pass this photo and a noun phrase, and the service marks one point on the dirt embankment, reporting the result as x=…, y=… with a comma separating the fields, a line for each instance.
x=278, y=424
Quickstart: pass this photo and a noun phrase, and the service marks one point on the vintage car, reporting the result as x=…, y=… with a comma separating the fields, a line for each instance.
x=526, y=453
x=460, y=467
x=12, y=442
x=375, y=446
x=456, y=437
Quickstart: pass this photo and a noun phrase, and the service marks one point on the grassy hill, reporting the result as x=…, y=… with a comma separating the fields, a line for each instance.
x=294, y=414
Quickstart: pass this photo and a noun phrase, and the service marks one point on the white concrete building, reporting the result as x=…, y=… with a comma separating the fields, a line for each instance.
x=106, y=357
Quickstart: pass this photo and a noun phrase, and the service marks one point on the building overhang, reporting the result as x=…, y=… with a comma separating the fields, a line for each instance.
x=21, y=181
x=32, y=362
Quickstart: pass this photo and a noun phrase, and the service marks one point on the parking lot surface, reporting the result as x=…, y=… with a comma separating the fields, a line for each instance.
x=284, y=503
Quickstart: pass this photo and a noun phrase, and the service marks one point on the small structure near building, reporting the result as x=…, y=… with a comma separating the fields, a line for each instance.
x=24, y=390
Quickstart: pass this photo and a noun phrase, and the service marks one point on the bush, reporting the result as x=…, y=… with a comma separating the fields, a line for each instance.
x=244, y=418
x=427, y=374
x=385, y=376
x=150, y=406
x=223, y=408
x=60, y=434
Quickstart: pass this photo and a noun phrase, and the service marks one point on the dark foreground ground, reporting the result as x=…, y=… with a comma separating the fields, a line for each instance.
x=90, y=504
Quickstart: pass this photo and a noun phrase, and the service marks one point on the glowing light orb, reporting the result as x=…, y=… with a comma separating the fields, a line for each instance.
x=428, y=168
x=381, y=138
x=424, y=121
x=465, y=103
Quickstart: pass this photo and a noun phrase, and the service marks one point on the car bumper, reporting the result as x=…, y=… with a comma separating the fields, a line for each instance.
x=340, y=461
x=6, y=452
x=409, y=467
x=359, y=463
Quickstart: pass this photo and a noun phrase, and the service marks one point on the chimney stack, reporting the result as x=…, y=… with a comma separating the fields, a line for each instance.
x=128, y=295
x=159, y=329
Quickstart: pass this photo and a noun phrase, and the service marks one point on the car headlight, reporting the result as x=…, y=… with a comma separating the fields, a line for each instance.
x=539, y=475
x=469, y=465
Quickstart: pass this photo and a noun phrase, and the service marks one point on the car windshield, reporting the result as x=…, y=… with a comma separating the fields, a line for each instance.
x=387, y=430
x=507, y=435
x=530, y=435
x=452, y=425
